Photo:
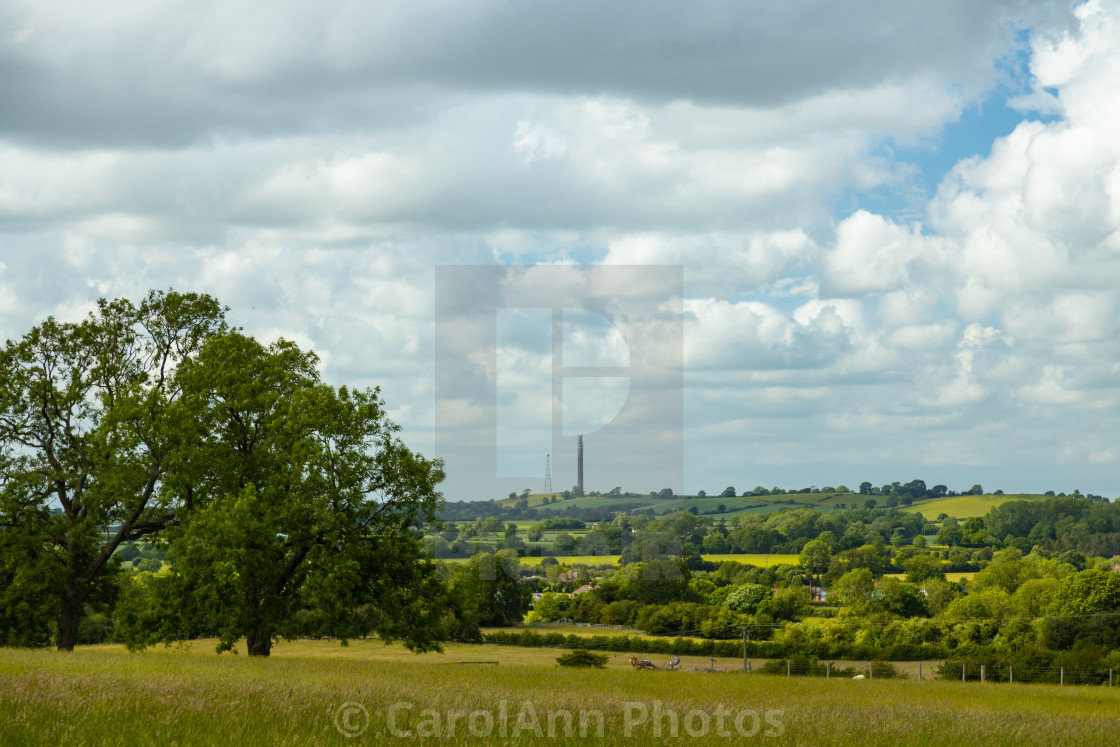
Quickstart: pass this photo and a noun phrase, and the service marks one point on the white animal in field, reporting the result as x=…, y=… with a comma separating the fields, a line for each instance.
x=859, y=677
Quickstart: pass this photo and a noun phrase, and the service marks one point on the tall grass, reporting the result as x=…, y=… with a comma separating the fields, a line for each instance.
x=103, y=695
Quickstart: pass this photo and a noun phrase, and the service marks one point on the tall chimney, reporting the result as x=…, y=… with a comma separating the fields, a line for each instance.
x=579, y=466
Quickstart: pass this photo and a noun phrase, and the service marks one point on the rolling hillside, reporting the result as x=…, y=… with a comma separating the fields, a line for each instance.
x=961, y=507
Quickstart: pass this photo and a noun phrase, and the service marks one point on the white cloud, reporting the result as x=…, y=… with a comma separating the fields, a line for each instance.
x=875, y=255
x=311, y=164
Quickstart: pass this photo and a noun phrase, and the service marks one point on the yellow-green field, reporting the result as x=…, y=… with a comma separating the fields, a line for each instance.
x=320, y=693
x=965, y=506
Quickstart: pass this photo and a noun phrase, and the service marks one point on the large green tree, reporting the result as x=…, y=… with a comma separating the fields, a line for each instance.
x=89, y=450
x=304, y=496
x=490, y=589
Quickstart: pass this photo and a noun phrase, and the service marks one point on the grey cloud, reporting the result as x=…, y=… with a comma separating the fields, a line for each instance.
x=173, y=74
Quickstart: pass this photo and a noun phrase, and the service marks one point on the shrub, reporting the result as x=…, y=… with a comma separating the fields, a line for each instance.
x=581, y=657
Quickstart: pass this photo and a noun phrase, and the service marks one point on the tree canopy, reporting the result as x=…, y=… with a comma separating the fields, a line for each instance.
x=271, y=491
x=302, y=493
x=90, y=447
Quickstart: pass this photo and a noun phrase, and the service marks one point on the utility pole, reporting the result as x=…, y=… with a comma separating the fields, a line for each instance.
x=745, y=651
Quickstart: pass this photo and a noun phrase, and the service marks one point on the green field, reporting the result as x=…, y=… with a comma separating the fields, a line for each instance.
x=965, y=506
x=321, y=693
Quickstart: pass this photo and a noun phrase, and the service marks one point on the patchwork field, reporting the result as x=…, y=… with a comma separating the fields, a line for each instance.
x=367, y=693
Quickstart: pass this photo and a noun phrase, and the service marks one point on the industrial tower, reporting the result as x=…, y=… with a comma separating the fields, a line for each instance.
x=579, y=466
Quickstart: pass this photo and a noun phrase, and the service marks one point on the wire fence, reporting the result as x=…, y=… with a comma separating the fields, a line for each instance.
x=947, y=670
x=828, y=669
x=973, y=672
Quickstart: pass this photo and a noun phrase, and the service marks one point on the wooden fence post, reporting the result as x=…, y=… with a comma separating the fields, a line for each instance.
x=787, y=667
x=870, y=670
x=1011, y=674
x=1061, y=675
x=745, y=670
x=919, y=671
x=962, y=672
x=828, y=673
x=983, y=668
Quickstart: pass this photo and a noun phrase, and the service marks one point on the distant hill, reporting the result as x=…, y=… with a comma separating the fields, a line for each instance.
x=961, y=507
x=708, y=505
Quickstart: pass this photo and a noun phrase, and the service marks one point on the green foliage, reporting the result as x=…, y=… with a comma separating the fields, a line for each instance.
x=489, y=585
x=582, y=658
x=681, y=524
x=816, y=555
x=853, y=592
x=901, y=599
x=89, y=418
x=302, y=495
x=746, y=598
x=921, y=568
x=656, y=582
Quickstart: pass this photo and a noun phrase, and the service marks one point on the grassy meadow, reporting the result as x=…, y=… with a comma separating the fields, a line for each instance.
x=312, y=692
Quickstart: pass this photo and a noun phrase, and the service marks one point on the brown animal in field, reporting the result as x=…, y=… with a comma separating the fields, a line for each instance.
x=641, y=663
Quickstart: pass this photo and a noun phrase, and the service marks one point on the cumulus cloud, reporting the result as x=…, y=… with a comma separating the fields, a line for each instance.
x=311, y=165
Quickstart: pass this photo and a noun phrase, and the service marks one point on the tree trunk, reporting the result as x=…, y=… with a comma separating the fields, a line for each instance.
x=72, y=599
x=258, y=643
x=70, y=612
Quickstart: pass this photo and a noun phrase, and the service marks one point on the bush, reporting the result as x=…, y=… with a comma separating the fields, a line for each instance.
x=883, y=670
x=801, y=666
x=581, y=657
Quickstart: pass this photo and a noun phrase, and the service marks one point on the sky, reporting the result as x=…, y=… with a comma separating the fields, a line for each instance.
x=894, y=225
